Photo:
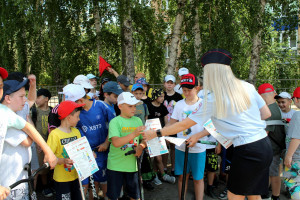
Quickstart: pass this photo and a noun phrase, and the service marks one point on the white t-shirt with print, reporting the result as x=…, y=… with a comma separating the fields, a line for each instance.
x=182, y=111
x=287, y=115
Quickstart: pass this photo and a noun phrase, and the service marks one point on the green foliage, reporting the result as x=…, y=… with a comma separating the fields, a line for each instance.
x=57, y=40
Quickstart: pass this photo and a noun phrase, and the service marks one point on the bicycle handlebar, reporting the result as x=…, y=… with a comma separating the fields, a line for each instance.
x=30, y=178
x=130, y=152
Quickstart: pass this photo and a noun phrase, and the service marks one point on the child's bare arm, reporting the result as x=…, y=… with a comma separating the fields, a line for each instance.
x=103, y=146
x=4, y=192
x=65, y=161
x=166, y=119
x=172, y=121
x=49, y=155
x=32, y=90
x=139, y=148
x=291, y=150
x=27, y=142
x=120, y=141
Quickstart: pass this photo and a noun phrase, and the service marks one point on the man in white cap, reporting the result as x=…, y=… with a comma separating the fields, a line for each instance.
x=284, y=101
x=182, y=71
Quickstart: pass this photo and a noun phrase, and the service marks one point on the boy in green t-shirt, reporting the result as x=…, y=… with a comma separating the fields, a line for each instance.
x=65, y=175
x=124, y=135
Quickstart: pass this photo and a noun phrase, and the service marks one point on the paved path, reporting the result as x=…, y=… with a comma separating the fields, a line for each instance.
x=168, y=191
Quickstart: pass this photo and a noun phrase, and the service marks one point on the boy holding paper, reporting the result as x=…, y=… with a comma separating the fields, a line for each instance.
x=196, y=155
x=65, y=175
x=124, y=135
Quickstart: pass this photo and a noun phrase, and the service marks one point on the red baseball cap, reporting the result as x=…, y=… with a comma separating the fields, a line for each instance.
x=265, y=88
x=66, y=108
x=296, y=93
x=3, y=73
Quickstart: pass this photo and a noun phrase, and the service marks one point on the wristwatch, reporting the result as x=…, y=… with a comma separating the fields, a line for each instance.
x=158, y=133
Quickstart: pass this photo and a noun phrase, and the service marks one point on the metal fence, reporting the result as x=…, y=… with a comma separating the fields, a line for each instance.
x=280, y=85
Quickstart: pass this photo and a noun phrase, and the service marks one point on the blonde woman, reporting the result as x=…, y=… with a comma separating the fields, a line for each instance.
x=237, y=112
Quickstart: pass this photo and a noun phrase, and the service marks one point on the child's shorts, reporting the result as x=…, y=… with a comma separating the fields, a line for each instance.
x=274, y=167
x=67, y=190
x=292, y=179
x=195, y=164
x=211, y=164
x=115, y=180
x=100, y=176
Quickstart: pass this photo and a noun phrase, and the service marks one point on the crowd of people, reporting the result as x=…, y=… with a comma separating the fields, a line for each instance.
x=263, y=127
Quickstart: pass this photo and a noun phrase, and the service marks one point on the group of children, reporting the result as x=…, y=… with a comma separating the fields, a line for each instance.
x=112, y=119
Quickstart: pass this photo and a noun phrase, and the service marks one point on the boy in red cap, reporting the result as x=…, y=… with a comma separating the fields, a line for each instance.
x=65, y=175
x=292, y=157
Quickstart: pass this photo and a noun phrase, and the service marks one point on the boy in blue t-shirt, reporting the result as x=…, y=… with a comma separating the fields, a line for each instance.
x=124, y=134
x=111, y=92
x=93, y=124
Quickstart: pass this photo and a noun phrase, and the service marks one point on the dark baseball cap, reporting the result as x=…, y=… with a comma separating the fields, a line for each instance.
x=113, y=87
x=44, y=92
x=11, y=86
x=18, y=76
x=188, y=81
x=124, y=80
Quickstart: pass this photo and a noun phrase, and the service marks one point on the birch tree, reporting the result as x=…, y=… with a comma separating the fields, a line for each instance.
x=256, y=43
x=127, y=38
x=176, y=36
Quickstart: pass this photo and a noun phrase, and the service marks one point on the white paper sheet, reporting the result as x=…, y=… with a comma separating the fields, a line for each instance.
x=176, y=141
x=225, y=142
x=157, y=146
x=81, y=153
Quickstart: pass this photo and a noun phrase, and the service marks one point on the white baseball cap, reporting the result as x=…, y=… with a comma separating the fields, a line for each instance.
x=73, y=92
x=183, y=71
x=128, y=98
x=170, y=78
x=83, y=81
x=283, y=95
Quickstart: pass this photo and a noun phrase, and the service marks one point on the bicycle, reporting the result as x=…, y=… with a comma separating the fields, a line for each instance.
x=30, y=180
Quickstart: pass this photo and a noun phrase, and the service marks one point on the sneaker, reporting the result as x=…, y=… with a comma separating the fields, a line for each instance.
x=223, y=195
x=169, y=179
x=156, y=181
x=211, y=193
x=147, y=185
x=47, y=192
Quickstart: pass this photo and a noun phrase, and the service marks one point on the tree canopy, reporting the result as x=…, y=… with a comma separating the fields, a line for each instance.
x=59, y=39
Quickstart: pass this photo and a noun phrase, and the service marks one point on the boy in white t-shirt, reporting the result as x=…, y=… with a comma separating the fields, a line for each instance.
x=9, y=119
x=196, y=156
x=284, y=101
x=17, y=144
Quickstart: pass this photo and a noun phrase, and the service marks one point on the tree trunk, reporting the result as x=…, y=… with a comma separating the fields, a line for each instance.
x=196, y=31
x=98, y=28
x=127, y=40
x=176, y=37
x=256, y=45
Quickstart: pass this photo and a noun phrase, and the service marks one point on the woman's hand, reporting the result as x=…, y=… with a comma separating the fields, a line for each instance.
x=149, y=135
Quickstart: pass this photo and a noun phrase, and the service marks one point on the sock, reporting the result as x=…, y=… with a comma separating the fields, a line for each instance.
x=275, y=197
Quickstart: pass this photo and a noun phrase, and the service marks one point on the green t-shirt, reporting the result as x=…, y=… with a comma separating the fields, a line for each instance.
x=120, y=127
x=141, y=111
